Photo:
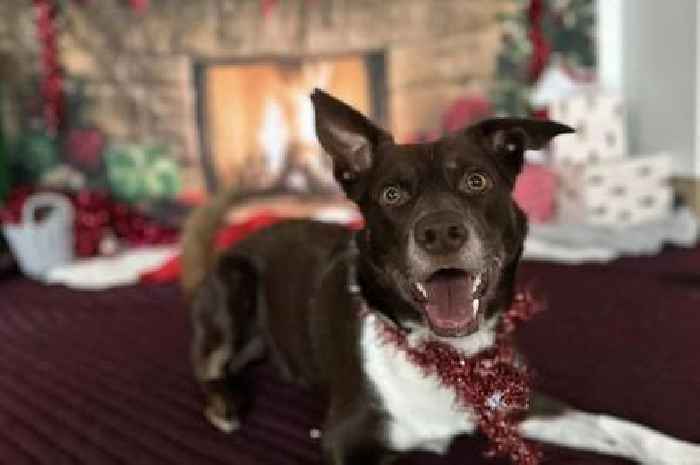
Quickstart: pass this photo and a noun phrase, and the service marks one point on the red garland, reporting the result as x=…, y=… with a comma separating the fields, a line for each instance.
x=540, y=47
x=52, y=79
x=493, y=383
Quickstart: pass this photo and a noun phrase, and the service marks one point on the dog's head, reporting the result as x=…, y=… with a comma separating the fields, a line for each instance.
x=443, y=235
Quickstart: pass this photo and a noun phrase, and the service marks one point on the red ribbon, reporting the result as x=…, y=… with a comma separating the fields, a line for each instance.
x=540, y=47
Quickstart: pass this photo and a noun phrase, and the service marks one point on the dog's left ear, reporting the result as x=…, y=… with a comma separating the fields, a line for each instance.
x=508, y=138
x=350, y=139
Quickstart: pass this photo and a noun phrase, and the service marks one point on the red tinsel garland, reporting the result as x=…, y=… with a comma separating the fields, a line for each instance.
x=52, y=78
x=494, y=383
x=540, y=47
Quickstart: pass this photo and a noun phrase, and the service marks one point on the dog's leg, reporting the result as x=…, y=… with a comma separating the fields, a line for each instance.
x=353, y=436
x=606, y=434
x=222, y=342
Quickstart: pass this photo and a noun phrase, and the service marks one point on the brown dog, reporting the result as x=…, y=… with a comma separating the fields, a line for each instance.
x=436, y=260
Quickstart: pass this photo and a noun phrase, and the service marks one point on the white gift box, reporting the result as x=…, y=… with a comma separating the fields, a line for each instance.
x=616, y=192
x=599, y=120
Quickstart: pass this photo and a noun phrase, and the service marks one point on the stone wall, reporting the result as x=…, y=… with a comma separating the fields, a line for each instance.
x=139, y=73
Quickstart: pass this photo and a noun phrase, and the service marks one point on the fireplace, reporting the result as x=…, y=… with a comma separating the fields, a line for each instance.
x=255, y=120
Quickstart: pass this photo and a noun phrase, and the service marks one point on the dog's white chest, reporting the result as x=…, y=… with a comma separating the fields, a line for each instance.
x=423, y=414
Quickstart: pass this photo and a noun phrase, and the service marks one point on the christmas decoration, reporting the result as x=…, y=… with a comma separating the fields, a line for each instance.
x=558, y=81
x=63, y=177
x=43, y=238
x=34, y=154
x=535, y=192
x=616, y=193
x=83, y=143
x=51, y=87
x=267, y=7
x=494, y=383
x=600, y=183
x=599, y=120
x=538, y=30
x=97, y=217
x=465, y=111
x=540, y=46
x=139, y=6
x=52, y=78
x=84, y=147
x=142, y=172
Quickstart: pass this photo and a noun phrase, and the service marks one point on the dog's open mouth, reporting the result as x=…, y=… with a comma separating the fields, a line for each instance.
x=450, y=299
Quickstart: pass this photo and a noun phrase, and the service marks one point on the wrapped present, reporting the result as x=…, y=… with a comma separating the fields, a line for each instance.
x=535, y=192
x=137, y=172
x=599, y=120
x=616, y=192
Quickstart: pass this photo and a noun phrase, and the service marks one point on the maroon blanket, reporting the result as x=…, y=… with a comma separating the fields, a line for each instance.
x=104, y=378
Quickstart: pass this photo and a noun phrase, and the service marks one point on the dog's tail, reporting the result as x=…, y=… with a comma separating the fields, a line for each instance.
x=198, y=251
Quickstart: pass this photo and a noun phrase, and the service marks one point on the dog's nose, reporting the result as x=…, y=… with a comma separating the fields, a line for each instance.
x=440, y=233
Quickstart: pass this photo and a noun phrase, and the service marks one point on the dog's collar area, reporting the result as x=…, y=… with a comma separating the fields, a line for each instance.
x=494, y=383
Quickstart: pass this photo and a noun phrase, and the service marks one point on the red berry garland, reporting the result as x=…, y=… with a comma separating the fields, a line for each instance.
x=493, y=383
x=52, y=79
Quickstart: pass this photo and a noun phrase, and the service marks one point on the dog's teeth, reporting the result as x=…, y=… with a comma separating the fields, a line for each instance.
x=421, y=290
x=475, y=306
x=477, y=283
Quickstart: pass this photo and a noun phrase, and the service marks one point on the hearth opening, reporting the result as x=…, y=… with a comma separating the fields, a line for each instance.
x=255, y=119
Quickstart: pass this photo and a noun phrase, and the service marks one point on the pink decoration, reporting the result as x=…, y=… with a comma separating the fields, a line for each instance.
x=84, y=147
x=139, y=6
x=267, y=7
x=465, y=111
x=535, y=191
x=494, y=383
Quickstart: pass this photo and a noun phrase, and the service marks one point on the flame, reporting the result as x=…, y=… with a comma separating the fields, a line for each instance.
x=274, y=137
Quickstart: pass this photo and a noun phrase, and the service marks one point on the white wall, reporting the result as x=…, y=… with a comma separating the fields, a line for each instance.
x=649, y=50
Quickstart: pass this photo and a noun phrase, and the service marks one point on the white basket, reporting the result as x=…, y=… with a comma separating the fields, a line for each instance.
x=40, y=246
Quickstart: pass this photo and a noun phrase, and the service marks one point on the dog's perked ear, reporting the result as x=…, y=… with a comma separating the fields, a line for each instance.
x=508, y=138
x=350, y=139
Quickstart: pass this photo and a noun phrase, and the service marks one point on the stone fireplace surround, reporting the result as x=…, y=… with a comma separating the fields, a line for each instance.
x=140, y=68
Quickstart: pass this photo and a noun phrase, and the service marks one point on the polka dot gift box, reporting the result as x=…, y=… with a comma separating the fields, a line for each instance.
x=599, y=120
x=617, y=193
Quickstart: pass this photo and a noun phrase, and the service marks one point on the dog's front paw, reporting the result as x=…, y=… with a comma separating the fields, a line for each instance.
x=220, y=414
x=223, y=424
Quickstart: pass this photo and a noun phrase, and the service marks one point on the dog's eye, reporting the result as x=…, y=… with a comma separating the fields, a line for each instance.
x=474, y=183
x=393, y=196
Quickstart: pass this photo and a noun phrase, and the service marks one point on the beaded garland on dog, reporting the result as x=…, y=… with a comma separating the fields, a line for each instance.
x=494, y=383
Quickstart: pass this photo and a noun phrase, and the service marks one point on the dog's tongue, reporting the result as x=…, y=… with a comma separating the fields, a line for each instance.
x=449, y=304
